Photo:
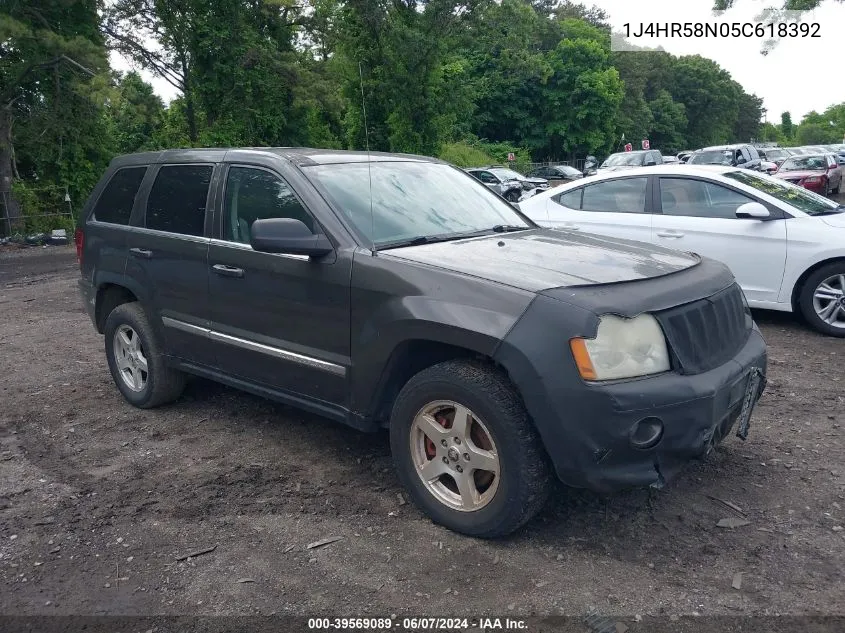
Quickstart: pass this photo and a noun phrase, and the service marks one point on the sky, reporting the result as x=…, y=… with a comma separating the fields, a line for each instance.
x=798, y=76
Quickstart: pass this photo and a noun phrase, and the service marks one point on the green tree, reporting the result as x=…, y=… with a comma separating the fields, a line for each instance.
x=137, y=115
x=711, y=99
x=52, y=81
x=749, y=114
x=669, y=123
x=581, y=98
x=786, y=126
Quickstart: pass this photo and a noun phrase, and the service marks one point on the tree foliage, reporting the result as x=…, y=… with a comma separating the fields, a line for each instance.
x=473, y=80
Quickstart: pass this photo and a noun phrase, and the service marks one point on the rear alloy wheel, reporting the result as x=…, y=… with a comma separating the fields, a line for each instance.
x=822, y=299
x=826, y=188
x=466, y=451
x=136, y=359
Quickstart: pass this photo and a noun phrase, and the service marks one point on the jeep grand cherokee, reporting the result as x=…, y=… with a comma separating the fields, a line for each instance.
x=397, y=292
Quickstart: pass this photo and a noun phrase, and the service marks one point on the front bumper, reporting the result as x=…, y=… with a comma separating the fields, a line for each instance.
x=588, y=428
x=88, y=294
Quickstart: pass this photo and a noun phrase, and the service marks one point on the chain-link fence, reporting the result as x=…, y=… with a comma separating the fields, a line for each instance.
x=39, y=210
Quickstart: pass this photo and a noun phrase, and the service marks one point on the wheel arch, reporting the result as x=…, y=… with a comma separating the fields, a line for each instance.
x=109, y=296
x=799, y=285
x=406, y=360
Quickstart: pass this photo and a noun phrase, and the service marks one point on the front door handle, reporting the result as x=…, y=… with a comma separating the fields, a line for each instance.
x=143, y=253
x=570, y=227
x=228, y=271
x=672, y=234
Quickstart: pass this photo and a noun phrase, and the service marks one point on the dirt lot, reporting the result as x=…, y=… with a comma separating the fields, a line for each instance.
x=98, y=500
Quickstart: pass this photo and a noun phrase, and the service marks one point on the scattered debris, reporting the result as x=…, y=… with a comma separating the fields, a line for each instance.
x=769, y=530
x=288, y=548
x=732, y=522
x=199, y=552
x=837, y=528
x=323, y=542
x=737, y=581
x=244, y=580
x=542, y=584
x=511, y=606
x=401, y=499
x=729, y=504
x=621, y=627
x=496, y=559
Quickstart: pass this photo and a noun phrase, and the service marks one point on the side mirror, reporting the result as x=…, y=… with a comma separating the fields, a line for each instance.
x=289, y=237
x=753, y=210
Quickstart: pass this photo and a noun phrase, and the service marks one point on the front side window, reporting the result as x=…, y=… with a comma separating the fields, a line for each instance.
x=624, y=195
x=118, y=197
x=697, y=198
x=178, y=198
x=409, y=200
x=255, y=194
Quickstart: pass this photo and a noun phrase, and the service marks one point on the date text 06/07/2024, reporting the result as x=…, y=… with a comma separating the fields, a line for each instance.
x=722, y=29
x=409, y=625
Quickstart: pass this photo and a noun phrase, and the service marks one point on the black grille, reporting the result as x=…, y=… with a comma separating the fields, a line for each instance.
x=707, y=333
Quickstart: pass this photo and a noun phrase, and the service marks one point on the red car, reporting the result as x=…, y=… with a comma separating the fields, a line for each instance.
x=818, y=172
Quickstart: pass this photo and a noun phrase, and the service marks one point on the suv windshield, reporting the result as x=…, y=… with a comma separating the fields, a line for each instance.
x=804, y=163
x=412, y=201
x=712, y=157
x=626, y=159
x=505, y=174
x=775, y=154
x=800, y=198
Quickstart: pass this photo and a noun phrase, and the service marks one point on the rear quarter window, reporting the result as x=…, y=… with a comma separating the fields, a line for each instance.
x=115, y=203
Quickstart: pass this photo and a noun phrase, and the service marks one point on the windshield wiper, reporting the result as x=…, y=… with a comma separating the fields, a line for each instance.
x=508, y=228
x=419, y=241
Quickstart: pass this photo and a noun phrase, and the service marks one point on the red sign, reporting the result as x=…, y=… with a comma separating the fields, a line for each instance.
x=646, y=144
x=629, y=147
x=511, y=156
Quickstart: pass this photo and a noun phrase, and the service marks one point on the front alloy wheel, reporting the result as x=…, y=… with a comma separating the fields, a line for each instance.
x=454, y=455
x=822, y=299
x=829, y=301
x=466, y=451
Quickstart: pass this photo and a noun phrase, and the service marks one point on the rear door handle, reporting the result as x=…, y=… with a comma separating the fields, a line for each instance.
x=143, y=253
x=673, y=234
x=228, y=271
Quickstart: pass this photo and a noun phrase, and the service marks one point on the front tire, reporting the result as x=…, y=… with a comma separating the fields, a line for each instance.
x=822, y=299
x=466, y=451
x=136, y=360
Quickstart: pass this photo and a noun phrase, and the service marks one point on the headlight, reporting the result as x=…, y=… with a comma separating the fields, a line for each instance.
x=622, y=348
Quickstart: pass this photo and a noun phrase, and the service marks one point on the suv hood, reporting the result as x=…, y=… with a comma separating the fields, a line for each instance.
x=540, y=259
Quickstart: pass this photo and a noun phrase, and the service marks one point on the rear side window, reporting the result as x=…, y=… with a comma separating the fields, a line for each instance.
x=118, y=197
x=178, y=198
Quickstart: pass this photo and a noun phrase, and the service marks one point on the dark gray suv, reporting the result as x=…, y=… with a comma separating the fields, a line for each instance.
x=397, y=292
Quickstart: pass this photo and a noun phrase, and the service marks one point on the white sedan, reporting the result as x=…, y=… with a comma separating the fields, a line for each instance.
x=784, y=244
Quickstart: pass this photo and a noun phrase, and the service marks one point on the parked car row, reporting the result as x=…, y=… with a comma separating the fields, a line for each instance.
x=784, y=244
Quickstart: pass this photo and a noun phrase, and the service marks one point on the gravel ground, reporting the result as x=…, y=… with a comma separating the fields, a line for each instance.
x=98, y=500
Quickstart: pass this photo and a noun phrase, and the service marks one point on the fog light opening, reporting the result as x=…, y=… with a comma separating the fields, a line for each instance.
x=646, y=433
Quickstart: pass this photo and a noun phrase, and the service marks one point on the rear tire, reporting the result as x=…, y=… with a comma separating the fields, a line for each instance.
x=513, y=196
x=498, y=429
x=136, y=359
x=820, y=294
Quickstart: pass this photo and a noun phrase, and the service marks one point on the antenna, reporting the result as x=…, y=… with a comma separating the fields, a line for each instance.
x=369, y=161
